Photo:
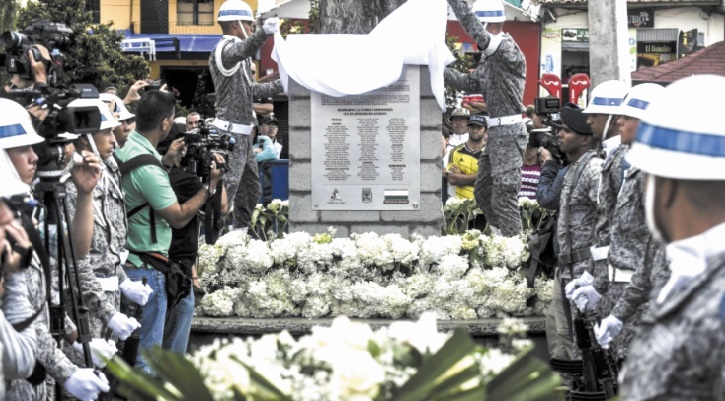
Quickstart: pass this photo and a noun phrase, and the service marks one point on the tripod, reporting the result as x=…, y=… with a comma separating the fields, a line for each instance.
x=54, y=198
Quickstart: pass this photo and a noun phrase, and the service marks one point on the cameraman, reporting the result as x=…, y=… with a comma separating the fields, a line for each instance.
x=184, y=251
x=82, y=383
x=153, y=209
x=38, y=69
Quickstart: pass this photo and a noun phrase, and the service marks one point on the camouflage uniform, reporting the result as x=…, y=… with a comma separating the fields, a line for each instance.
x=234, y=99
x=679, y=351
x=57, y=365
x=109, y=240
x=632, y=248
x=574, y=229
x=18, y=359
x=500, y=78
x=609, y=188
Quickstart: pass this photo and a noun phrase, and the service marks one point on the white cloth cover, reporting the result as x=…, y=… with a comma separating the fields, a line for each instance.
x=339, y=65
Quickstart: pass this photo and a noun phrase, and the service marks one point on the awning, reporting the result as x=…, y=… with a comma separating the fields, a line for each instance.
x=154, y=43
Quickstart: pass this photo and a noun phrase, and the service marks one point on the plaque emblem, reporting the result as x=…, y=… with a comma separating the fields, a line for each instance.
x=335, y=195
x=367, y=195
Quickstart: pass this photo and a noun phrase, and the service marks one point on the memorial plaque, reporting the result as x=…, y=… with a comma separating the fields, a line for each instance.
x=366, y=148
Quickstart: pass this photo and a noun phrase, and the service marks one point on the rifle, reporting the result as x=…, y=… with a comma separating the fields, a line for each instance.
x=599, y=369
x=127, y=350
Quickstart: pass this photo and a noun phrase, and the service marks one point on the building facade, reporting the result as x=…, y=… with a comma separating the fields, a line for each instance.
x=659, y=32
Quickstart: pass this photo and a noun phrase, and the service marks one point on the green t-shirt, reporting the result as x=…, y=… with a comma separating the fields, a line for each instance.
x=147, y=184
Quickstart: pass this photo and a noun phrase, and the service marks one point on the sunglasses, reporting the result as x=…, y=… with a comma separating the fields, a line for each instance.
x=129, y=121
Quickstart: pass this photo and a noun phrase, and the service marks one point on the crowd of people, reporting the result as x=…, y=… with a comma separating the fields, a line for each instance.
x=101, y=223
x=638, y=192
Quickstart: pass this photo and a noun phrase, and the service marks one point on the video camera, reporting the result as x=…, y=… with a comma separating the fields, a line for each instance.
x=53, y=36
x=62, y=118
x=201, y=144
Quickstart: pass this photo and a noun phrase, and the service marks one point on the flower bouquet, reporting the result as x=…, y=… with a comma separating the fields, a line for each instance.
x=407, y=361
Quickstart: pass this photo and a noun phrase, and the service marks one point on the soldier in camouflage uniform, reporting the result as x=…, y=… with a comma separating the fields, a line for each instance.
x=575, y=221
x=82, y=383
x=679, y=352
x=500, y=76
x=236, y=90
x=605, y=101
x=632, y=250
x=102, y=275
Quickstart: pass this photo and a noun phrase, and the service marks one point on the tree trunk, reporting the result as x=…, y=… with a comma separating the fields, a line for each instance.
x=354, y=16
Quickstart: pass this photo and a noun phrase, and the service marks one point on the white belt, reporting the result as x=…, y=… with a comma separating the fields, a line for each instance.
x=620, y=275
x=243, y=129
x=506, y=120
x=109, y=284
x=599, y=253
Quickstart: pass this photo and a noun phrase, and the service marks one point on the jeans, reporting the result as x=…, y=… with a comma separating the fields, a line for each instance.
x=154, y=312
x=178, y=325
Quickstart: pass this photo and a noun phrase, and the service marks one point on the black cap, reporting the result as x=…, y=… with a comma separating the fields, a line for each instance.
x=477, y=120
x=270, y=119
x=572, y=116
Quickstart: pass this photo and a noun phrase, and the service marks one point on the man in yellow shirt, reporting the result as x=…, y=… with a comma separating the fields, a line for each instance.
x=462, y=167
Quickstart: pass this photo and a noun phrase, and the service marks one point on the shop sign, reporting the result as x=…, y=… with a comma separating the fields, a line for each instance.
x=575, y=35
x=666, y=47
x=641, y=18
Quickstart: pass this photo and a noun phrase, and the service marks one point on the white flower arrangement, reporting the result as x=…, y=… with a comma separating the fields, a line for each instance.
x=459, y=277
x=347, y=361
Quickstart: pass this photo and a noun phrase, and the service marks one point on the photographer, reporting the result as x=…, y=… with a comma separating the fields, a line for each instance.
x=82, y=383
x=153, y=209
x=17, y=335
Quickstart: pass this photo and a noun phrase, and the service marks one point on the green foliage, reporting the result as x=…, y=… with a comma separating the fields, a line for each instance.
x=94, y=55
x=8, y=10
x=457, y=213
x=314, y=16
x=270, y=222
x=464, y=63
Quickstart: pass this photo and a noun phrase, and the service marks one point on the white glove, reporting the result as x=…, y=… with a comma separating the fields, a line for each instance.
x=136, y=291
x=607, y=330
x=85, y=385
x=586, y=298
x=123, y=325
x=100, y=350
x=584, y=280
x=271, y=26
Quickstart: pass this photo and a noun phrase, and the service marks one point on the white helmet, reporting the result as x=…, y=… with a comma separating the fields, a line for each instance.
x=16, y=126
x=606, y=97
x=638, y=99
x=235, y=10
x=120, y=108
x=680, y=138
x=107, y=119
x=489, y=11
x=12, y=185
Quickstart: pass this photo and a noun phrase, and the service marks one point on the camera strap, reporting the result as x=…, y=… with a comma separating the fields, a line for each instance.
x=127, y=167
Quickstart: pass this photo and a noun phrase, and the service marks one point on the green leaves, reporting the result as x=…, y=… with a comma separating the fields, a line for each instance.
x=178, y=379
x=433, y=381
x=526, y=379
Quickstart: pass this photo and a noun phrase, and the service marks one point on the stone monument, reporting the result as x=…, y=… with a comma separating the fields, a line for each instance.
x=369, y=162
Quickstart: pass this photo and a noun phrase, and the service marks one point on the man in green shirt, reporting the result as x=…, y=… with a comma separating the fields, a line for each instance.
x=149, y=185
